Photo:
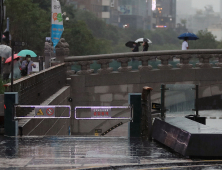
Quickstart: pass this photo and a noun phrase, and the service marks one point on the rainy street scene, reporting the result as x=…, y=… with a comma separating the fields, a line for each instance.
x=110, y=84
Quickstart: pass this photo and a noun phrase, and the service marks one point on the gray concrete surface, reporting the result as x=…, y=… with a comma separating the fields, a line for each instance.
x=113, y=89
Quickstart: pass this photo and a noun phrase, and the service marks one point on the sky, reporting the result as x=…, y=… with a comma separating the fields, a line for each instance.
x=199, y=4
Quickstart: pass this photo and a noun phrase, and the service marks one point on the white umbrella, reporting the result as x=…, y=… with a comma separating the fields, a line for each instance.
x=140, y=40
x=5, y=51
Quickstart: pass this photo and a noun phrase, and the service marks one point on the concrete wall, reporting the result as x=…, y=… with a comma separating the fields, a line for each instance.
x=113, y=89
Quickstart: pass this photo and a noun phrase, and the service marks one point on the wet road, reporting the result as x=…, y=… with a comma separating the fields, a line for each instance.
x=92, y=152
x=99, y=152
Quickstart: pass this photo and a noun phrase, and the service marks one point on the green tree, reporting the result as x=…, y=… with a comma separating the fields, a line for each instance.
x=81, y=40
x=206, y=41
x=98, y=27
x=29, y=23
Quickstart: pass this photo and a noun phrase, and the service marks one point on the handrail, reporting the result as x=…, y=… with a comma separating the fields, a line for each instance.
x=184, y=56
x=141, y=54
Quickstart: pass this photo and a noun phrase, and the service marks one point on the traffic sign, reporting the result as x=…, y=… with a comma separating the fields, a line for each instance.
x=40, y=112
x=50, y=111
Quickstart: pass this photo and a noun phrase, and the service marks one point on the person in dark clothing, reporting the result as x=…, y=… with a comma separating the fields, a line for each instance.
x=145, y=46
x=136, y=47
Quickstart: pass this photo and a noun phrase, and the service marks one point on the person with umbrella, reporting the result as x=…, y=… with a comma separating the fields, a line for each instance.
x=5, y=52
x=145, y=45
x=27, y=65
x=135, y=47
x=187, y=36
x=16, y=65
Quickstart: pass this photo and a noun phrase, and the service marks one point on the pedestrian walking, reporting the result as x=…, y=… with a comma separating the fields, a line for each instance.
x=185, y=45
x=16, y=69
x=136, y=47
x=5, y=70
x=27, y=65
x=145, y=46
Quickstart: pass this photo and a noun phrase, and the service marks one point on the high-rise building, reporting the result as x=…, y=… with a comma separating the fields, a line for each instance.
x=166, y=14
x=104, y=9
x=136, y=13
x=131, y=13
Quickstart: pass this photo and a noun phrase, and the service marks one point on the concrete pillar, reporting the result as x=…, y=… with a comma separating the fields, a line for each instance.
x=48, y=53
x=62, y=51
x=146, y=121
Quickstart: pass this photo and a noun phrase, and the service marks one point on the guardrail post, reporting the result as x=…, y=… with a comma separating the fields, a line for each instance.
x=219, y=56
x=184, y=61
x=145, y=63
x=165, y=62
x=105, y=66
x=146, y=122
x=124, y=64
x=204, y=61
x=69, y=70
x=85, y=67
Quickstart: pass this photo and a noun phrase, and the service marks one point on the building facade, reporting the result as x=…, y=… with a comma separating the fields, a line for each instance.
x=166, y=14
x=138, y=14
x=107, y=10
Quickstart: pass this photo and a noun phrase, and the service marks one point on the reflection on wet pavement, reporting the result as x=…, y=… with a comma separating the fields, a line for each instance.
x=82, y=152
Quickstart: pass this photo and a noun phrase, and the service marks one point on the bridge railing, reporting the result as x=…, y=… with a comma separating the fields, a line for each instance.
x=37, y=87
x=184, y=56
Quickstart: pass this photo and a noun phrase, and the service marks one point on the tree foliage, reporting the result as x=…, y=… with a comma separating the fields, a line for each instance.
x=206, y=41
x=29, y=23
x=81, y=40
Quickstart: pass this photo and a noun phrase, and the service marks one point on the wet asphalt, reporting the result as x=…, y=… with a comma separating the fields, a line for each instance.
x=94, y=153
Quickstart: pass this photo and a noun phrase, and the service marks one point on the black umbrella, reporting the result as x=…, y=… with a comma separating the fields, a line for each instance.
x=130, y=44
